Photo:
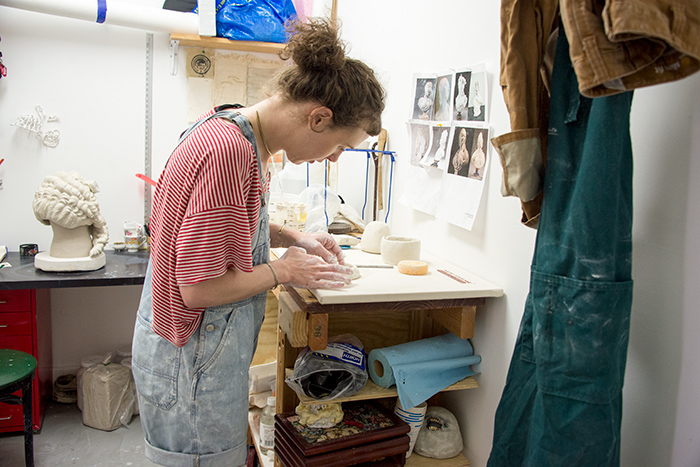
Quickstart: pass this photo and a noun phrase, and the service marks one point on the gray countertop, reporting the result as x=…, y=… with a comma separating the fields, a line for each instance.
x=121, y=268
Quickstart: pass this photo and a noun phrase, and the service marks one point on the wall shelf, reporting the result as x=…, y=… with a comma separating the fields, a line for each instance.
x=191, y=40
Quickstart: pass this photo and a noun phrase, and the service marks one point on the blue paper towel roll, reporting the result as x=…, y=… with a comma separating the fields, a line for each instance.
x=421, y=369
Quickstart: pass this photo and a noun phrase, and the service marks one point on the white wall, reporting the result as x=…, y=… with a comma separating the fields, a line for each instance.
x=93, y=77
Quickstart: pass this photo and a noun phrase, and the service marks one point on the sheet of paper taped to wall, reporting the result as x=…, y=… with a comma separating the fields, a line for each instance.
x=233, y=78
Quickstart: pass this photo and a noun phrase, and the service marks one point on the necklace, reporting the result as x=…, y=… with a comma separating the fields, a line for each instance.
x=262, y=136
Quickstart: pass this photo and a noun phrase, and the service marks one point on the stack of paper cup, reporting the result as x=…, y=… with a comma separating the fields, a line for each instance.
x=414, y=417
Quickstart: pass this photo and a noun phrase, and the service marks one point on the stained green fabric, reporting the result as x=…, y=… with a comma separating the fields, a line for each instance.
x=562, y=403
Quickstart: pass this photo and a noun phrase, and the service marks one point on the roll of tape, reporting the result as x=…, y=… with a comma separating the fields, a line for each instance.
x=28, y=249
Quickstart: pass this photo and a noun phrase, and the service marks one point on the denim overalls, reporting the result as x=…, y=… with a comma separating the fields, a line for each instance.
x=193, y=400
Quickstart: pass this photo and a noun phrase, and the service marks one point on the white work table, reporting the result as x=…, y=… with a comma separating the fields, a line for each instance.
x=389, y=285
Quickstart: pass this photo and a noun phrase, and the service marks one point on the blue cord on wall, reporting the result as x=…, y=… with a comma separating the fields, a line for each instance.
x=391, y=176
x=366, y=184
x=391, y=179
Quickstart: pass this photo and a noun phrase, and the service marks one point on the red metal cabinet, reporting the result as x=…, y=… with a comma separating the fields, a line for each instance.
x=25, y=325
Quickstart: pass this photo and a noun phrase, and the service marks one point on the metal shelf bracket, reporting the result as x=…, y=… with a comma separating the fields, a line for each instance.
x=174, y=46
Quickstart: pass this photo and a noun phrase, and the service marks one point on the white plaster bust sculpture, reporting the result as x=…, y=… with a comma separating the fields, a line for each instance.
x=426, y=102
x=461, y=100
x=67, y=203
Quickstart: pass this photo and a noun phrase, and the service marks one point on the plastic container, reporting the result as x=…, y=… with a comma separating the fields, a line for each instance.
x=292, y=214
x=121, y=354
x=267, y=426
x=85, y=363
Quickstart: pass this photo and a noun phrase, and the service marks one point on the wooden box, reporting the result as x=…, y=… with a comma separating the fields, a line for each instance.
x=368, y=433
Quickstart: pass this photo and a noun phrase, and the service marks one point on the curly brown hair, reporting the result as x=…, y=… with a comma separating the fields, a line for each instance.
x=321, y=72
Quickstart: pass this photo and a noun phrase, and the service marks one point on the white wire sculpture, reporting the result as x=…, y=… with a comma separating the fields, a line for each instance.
x=34, y=124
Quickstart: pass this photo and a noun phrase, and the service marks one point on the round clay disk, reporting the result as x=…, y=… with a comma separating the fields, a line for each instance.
x=412, y=267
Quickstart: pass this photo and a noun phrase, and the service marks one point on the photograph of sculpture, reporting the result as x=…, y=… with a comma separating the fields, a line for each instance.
x=438, y=154
x=424, y=97
x=468, y=152
x=477, y=160
x=461, y=90
x=476, y=108
x=459, y=154
x=443, y=98
x=420, y=141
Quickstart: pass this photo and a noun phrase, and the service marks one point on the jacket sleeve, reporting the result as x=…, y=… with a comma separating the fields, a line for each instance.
x=526, y=26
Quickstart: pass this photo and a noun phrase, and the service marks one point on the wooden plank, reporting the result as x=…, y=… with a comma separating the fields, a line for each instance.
x=193, y=40
x=293, y=321
x=286, y=356
x=420, y=325
x=308, y=302
x=318, y=331
x=459, y=321
x=416, y=460
x=375, y=329
x=372, y=391
x=266, y=350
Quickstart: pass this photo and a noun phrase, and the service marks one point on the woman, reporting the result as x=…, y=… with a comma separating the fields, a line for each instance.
x=203, y=300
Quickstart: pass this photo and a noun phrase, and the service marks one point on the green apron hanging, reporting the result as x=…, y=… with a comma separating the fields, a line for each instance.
x=562, y=403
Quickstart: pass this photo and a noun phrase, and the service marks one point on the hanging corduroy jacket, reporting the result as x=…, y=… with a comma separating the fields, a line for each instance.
x=615, y=46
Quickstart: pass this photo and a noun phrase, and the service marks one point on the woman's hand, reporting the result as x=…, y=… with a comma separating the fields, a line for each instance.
x=321, y=244
x=300, y=269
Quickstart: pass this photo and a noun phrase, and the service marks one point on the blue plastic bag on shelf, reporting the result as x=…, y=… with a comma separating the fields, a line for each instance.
x=254, y=20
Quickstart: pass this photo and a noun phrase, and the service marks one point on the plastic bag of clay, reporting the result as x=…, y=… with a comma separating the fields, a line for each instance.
x=108, y=396
x=439, y=436
x=322, y=205
x=339, y=370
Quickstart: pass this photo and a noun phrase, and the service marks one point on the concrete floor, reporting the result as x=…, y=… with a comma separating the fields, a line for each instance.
x=65, y=441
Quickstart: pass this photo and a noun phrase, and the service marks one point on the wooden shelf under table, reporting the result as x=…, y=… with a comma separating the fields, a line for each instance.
x=305, y=321
x=373, y=391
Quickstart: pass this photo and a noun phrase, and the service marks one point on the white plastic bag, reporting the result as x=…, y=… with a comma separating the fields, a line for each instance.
x=339, y=370
x=322, y=206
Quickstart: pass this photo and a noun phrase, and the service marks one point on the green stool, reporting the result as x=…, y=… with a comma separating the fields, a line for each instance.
x=17, y=372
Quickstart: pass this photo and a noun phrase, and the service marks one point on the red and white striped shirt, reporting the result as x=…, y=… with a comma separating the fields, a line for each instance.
x=205, y=211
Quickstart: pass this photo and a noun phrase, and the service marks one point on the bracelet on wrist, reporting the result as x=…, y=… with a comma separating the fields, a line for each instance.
x=274, y=274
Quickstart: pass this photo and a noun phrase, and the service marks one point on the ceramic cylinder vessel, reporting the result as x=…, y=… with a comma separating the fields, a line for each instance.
x=395, y=249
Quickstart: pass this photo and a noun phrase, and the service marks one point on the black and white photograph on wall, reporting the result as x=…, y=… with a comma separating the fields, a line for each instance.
x=443, y=97
x=468, y=152
x=477, y=158
x=462, y=139
x=476, y=108
x=424, y=97
x=420, y=141
x=461, y=90
x=437, y=155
